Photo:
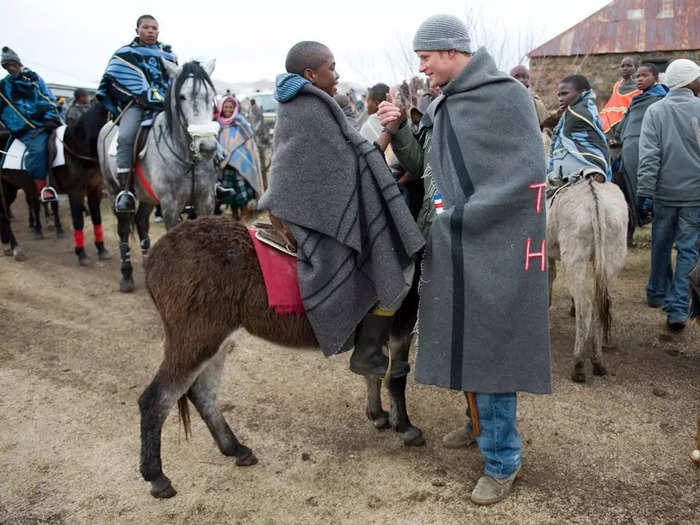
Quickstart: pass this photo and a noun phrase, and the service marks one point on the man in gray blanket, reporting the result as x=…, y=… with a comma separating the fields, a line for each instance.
x=355, y=236
x=483, y=322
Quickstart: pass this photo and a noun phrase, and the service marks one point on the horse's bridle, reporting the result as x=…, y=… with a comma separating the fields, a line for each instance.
x=196, y=131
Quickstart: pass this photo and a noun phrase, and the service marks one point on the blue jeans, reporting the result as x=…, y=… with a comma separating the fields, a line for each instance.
x=499, y=441
x=37, y=157
x=679, y=225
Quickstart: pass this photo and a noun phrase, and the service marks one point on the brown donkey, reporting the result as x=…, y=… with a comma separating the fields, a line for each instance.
x=205, y=281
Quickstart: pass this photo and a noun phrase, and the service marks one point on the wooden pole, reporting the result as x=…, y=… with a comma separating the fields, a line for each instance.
x=473, y=413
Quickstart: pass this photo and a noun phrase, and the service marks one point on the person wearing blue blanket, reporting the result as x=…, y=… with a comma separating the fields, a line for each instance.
x=29, y=110
x=240, y=160
x=133, y=86
x=578, y=141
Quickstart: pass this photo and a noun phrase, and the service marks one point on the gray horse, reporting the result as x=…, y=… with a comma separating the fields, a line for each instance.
x=175, y=168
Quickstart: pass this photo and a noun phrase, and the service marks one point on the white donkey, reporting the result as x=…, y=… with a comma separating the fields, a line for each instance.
x=587, y=223
x=176, y=167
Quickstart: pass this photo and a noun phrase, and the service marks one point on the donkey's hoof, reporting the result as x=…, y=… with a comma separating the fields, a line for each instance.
x=7, y=250
x=126, y=285
x=579, y=376
x=38, y=234
x=18, y=254
x=413, y=437
x=162, y=488
x=104, y=255
x=60, y=233
x=380, y=420
x=599, y=370
x=246, y=458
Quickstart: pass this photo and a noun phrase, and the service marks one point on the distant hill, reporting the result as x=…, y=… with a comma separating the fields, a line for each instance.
x=243, y=88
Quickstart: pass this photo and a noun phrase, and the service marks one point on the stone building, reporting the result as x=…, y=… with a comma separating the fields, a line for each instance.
x=657, y=31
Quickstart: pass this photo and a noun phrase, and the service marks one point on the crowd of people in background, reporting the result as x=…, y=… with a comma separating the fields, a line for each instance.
x=618, y=141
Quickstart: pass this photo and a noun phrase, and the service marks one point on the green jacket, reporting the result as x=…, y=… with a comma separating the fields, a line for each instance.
x=414, y=155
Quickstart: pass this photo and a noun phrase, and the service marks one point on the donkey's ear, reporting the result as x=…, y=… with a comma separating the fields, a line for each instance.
x=171, y=67
x=209, y=66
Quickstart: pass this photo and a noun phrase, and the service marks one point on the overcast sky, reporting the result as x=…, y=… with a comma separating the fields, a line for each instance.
x=70, y=41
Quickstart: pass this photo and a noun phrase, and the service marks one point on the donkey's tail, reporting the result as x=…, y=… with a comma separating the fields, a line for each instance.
x=183, y=408
x=601, y=294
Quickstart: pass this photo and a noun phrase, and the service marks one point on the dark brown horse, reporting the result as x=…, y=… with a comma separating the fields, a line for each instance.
x=205, y=281
x=82, y=179
x=11, y=181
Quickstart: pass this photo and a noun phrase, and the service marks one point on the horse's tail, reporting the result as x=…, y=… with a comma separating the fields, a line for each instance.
x=183, y=408
x=601, y=292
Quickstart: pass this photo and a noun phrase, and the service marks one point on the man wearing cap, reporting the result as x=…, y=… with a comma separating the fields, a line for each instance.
x=81, y=103
x=483, y=323
x=29, y=110
x=669, y=188
x=522, y=75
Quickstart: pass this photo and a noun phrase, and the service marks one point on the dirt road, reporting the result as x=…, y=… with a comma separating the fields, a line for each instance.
x=75, y=355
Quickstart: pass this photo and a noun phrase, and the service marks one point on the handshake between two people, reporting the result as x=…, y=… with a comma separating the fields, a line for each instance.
x=391, y=113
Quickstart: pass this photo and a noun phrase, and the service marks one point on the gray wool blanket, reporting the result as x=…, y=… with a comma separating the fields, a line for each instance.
x=483, y=320
x=355, y=234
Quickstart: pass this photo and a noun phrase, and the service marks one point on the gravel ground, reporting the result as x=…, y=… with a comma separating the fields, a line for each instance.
x=75, y=354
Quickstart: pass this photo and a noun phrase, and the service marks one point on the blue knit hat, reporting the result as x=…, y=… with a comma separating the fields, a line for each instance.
x=442, y=33
x=9, y=56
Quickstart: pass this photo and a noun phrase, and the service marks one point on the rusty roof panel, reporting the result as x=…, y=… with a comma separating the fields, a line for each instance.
x=630, y=26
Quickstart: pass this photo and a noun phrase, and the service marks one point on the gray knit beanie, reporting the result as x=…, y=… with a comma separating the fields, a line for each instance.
x=9, y=56
x=442, y=33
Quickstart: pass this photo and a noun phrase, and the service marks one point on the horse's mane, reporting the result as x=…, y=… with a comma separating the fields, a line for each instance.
x=81, y=136
x=192, y=70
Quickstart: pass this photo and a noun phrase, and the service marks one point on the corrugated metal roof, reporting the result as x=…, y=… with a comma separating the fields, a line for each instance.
x=630, y=26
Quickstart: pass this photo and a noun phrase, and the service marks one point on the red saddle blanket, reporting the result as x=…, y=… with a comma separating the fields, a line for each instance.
x=280, y=274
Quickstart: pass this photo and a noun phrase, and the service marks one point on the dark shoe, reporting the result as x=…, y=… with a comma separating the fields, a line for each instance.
x=653, y=305
x=367, y=358
x=223, y=193
x=675, y=324
x=125, y=202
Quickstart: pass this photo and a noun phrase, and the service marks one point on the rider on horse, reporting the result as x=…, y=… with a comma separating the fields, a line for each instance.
x=29, y=110
x=134, y=87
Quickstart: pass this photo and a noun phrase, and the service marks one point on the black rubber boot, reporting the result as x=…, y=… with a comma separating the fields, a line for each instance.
x=367, y=358
x=125, y=201
x=223, y=193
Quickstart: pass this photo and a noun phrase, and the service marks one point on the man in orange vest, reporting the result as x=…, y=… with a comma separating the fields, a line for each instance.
x=623, y=91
